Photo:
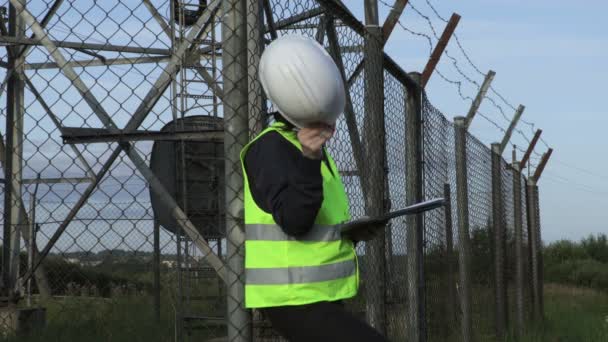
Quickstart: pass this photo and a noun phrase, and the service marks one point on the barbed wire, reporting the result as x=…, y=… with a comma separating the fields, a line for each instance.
x=430, y=42
x=477, y=69
x=458, y=83
x=492, y=121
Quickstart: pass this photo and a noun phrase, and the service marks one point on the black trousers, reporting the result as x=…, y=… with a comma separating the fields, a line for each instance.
x=320, y=322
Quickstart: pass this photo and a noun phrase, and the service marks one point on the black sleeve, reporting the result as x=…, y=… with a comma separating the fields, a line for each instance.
x=284, y=183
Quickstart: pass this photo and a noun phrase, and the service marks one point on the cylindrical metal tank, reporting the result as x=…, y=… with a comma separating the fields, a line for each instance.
x=199, y=180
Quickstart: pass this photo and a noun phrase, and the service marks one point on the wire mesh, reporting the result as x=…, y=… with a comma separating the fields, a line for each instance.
x=124, y=121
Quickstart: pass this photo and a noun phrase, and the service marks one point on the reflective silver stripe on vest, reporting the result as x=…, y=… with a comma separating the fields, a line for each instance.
x=300, y=275
x=273, y=232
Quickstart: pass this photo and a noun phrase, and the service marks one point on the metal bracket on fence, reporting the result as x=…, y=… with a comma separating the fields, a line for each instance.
x=393, y=18
x=481, y=94
x=509, y=132
x=439, y=48
x=541, y=166
x=524, y=160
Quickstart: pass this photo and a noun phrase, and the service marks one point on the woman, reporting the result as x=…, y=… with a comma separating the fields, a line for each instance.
x=298, y=265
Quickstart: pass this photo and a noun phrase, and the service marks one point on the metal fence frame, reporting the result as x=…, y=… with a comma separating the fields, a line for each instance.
x=409, y=153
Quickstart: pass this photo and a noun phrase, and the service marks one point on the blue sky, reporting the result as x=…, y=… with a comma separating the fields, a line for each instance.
x=549, y=56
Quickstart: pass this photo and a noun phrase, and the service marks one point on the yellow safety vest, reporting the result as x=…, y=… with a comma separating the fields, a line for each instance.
x=281, y=270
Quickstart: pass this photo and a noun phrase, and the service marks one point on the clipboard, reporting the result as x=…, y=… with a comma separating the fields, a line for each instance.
x=378, y=220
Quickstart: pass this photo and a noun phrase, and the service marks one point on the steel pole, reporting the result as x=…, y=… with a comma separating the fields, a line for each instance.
x=414, y=194
x=255, y=47
x=236, y=123
x=519, y=265
x=449, y=253
x=499, y=240
x=533, y=231
x=156, y=270
x=464, y=255
x=374, y=150
x=13, y=220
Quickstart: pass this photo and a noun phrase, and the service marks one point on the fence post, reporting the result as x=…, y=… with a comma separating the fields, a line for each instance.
x=499, y=242
x=13, y=203
x=464, y=246
x=519, y=263
x=236, y=127
x=413, y=193
x=156, y=270
x=533, y=232
x=374, y=148
x=539, y=249
x=536, y=250
x=449, y=251
x=255, y=47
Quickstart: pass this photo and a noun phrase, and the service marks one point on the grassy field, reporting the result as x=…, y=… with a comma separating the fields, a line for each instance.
x=128, y=319
x=572, y=314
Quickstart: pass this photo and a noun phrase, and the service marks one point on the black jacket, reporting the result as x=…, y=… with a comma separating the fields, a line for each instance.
x=285, y=183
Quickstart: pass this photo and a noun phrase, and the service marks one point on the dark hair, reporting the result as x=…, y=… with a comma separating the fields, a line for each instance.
x=280, y=118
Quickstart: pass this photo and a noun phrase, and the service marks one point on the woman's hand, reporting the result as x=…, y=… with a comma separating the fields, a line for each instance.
x=312, y=139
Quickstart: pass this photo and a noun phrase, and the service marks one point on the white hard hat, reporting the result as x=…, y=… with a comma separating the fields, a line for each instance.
x=302, y=81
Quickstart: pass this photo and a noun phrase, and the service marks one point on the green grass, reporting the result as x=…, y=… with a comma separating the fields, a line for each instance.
x=128, y=319
x=571, y=314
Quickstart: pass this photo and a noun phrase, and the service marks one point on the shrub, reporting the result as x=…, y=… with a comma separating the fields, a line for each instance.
x=564, y=250
x=588, y=273
x=596, y=247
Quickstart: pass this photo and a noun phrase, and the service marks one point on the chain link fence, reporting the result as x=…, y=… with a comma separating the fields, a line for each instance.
x=122, y=130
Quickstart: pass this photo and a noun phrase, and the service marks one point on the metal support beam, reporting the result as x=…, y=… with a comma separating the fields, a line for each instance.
x=87, y=168
x=270, y=20
x=439, y=48
x=291, y=21
x=320, y=35
x=338, y=10
x=211, y=82
x=70, y=216
x=70, y=180
x=526, y=157
x=201, y=27
x=80, y=45
x=387, y=29
x=393, y=18
x=349, y=112
x=41, y=279
x=541, y=166
x=13, y=203
x=77, y=135
x=159, y=19
x=24, y=51
x=509, y=132
x=487, y=82
x=97, y=62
